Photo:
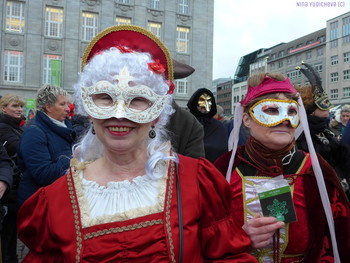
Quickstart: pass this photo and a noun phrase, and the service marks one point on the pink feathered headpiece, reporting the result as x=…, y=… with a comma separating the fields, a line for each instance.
x=267, y=86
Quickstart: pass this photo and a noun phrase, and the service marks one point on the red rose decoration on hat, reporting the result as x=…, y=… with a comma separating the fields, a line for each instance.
x=156, y=67
x=124, y=49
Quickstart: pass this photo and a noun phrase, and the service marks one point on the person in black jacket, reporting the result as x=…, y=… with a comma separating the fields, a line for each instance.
x=203, y=106
x=11, y=118
x=185, y=130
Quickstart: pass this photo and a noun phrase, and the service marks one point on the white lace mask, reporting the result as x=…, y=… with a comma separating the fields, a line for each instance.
x=137, y=103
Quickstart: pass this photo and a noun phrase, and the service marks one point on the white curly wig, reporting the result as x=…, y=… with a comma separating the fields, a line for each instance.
x=103, y=67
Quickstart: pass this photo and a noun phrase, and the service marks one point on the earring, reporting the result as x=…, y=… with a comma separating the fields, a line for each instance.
x=93, y=129
x=152, y=133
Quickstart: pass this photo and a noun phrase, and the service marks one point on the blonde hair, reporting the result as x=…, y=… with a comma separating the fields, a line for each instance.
x=11, y=98
x=48, y=94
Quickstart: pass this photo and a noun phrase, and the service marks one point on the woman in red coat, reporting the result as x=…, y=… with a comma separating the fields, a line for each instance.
x=128, y=197
x=291, y=211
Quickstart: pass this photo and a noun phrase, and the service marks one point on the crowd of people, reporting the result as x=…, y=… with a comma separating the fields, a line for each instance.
x=119, y=172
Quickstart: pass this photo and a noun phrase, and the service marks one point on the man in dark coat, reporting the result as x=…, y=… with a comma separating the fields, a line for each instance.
x=185, y=130
x=203, y=106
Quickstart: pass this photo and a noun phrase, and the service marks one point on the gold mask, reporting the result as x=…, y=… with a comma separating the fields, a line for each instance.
x=204, y=103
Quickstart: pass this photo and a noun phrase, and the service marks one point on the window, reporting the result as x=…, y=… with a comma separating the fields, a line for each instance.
x=294, y=74
x=181, y=86
x=123, y=1
x=184, y=7
x=52, y=70
x=122, y=20
x=346, y=26
x=298, y=58
x=309, y=42
x=346, y=74
x=53, y=22
x=319, y=68
x=280, y=64
x=346, y=30
x=280, y=54
x=321, y=39
x=182, y=39
x=289, y=61
x=334, y=60
x=346, y=57
x=319, y=51
x=334, y=30
x=14, y=16
x=13, y=70
x=308, y=54
x=154, y=4
x=89, y=26
x=346, y=92
x=334, y=77
x=346, y=39
x=334, y=43
x=334, y=93
x=155, y=28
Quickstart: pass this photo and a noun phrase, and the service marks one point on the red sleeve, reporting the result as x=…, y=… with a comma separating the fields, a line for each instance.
x=222, y=239
x=34, y=230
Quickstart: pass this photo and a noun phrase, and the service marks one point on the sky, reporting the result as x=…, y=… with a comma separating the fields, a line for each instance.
x=244, y=26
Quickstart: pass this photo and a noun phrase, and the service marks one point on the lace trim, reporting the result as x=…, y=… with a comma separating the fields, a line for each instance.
x=87, y=221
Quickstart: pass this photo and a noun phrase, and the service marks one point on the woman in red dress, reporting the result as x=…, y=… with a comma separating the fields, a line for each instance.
x=270, y=163
x=128, y=197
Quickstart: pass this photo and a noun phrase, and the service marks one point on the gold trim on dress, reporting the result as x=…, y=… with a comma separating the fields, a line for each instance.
x=167, y=211
x=73, y=178
x=76, y=214
x=122, y=229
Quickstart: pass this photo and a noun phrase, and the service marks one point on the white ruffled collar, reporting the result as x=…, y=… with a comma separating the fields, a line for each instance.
x=119, y=201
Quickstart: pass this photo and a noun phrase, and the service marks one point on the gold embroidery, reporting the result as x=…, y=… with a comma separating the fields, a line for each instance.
x=167, y=210
x=72, y=177
x=114, y=230
x=76, y=215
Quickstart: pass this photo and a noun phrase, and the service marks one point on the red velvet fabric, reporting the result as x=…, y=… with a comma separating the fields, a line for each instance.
x=48, y=226
x=310, y=234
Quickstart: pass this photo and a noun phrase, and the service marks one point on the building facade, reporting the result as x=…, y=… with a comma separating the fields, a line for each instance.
x=310, y=49
x=338, y=59
x=327, y=50
x=42, y=41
